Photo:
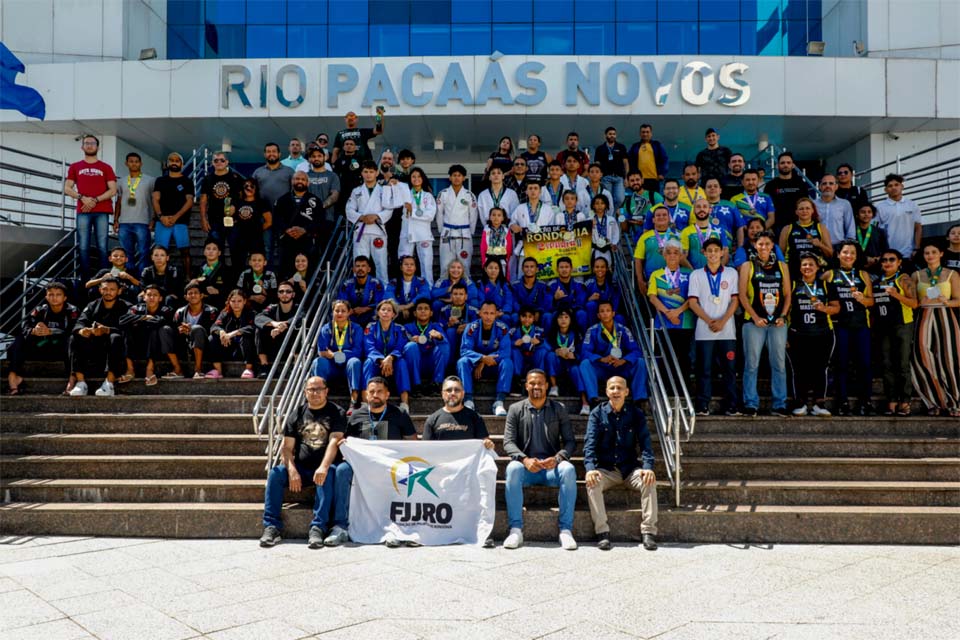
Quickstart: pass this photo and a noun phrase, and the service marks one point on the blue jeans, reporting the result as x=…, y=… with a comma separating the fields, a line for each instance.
x=135, y=240
x=754, y=340
x=724, y=354
x=634, y=373
x=341, y=501
x=563, y=476
x=100, y=224
x=614, y=184
x=277, y=483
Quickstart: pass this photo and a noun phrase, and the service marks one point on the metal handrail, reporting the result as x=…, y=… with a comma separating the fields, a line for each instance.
x=197, y=166
x=899, y=159
x=281, y=390
x=767, y=158
x=57, y=179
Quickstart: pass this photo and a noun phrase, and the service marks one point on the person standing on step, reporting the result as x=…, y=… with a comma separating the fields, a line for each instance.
x=614, y=431
x=416, y=231
x=811, y=337
x=220, y=194
x=609, y=349
x=97, y=336
x=540, y=441
x=93, y=184
x=45, y=336
x=133, y=213
x=306, y=458
x=894, y=301
x=456, y=219
x=365, y=211
x=172, y=201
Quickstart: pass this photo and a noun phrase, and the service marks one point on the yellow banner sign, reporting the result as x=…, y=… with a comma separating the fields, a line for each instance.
x=549, y=244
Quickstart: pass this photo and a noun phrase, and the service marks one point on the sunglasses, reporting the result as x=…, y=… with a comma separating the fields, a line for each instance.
x=842, y=173
x=249, y=186
x=889, y=259
x=218, y=160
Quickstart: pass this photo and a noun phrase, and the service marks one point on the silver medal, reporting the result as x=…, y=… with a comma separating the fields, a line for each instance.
x=339, y=357
x=526, y=339
x=422, y=339
x=419, y=212
x=257, y=289
x=616, y=352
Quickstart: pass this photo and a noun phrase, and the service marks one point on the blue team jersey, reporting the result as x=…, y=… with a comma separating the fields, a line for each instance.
x=365, y=295
x=418, y=289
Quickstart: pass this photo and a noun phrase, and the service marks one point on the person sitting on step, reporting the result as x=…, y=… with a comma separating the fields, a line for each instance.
x=609, y=349
x=45, y=336
x=150, y=333
x=428, y=349
x=193, y=323
x=97, y=336
x=383, y=343
x=485, y=349
x=340, y=352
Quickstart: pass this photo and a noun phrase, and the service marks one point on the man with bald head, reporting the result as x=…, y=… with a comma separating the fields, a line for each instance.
x=614, y=431
x=299, y=217
x=306, y=459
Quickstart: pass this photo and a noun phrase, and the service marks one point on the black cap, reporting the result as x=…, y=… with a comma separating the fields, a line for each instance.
x=709, y=131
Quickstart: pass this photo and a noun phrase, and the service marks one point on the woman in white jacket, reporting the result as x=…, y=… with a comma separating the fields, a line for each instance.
x=416, y=233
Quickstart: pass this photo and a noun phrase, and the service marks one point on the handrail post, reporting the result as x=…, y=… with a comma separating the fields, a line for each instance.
x=899, y=161
x=676, y=452
x=23, y=303
x=63, y=206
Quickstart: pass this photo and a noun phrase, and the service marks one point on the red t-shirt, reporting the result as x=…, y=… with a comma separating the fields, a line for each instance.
x=91, y=180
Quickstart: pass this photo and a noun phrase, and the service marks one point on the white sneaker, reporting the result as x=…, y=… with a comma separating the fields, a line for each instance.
x=337, y=537
x=817, y=410
x=390, y=540
x=585, y=410
x=498, y=409
x=79, y=389
x=554, y=392
x=514, y=540
x=106, y=389
x=470, y=405
x=566, y=540
x=800, y=411
x=405, y=408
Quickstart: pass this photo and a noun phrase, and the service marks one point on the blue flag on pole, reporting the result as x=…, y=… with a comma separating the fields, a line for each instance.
x=27, y=101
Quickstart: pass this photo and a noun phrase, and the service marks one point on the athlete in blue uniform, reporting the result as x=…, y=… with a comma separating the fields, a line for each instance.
x=486, y=348
x=408, y=288
x=340, y=351
x=530, y=292
x=610, y=350
x=384, y=341
x=362, y=291
x=429, y=349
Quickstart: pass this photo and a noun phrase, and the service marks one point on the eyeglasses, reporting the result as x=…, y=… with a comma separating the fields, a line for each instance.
x=315, y=389
x=888, y=259
x=322, y=140
x=842, y=173
x=219, y=160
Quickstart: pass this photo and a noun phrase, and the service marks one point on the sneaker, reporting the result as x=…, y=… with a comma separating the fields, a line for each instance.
x=413, y=544
x=585, y=410
x=263, y=372
x=315, y=538
x=554, y=392
x=603, y=542
x=732, y=412
x=271, y=537
x=649, y=542
x=198, y=375
x=750, y=412
x=247, y=374
x=498, y=409
x=779, y=412
x=843, y=409
x=566, y=540
x=469, y=404
x=213, y=374
x=800, y=411
x=514, y=540
x=337, y=537
x=489, y=543
x=79, y=389
x=817, y=410
x=703, y=412
x=405, y=408
x=105, y=390
x=390, y=540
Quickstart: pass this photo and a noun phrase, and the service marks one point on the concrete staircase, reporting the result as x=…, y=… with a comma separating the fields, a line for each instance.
x=181, y=460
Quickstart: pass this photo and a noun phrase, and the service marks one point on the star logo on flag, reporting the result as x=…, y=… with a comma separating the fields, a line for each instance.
x=414, y=475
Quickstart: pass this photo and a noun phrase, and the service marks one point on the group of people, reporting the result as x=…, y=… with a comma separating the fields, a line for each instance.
x=538, y=438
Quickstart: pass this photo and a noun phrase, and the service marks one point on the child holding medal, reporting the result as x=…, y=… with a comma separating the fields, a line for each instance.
x=563, y=344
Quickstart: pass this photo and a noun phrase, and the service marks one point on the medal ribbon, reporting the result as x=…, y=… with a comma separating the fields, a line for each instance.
x=340, y=337
x=132, y=188
x=864, y=238
x=614, y=339
x=934, y=277
x=714, y=279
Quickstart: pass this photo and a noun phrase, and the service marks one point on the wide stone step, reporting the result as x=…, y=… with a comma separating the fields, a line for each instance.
x=132, y=444
x=853, y=426
x=799, y=445
x=232, y=385
x=821, y=468
x=129, y=423
x=716, y=523
x=820, y=492
x=120, y=466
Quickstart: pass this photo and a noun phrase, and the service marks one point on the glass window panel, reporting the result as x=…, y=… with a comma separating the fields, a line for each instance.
x=307, y=41
x=266, y=41
x=636, y=10
x=636, y=38
x=350, y=12
x=796, y=10
x=471, y=11
x=226, y=11
x=347, y=41
x=677, y=38
x=512, y=11
x=389, y=12
x=553, y=39
x=225, y=41
x=389, y=39
x=595, y=39
x=764, y=9
x=797, y=36
x=266, y=12
x=184, y=12
x=760, y=38
x=185, y=42
x=595, y=10
x=513, y=38
x=722, y=10
x=677, y=10
x=430, y=40
x=306, y=12
x=470, y=40
x=720, y=38
x=430, y=12
x=553, y=11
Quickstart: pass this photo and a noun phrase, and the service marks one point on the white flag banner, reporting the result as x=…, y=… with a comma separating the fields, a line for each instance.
x=428, y=492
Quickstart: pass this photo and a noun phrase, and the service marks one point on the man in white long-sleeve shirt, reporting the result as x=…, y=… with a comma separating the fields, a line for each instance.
x=836, y=214
x=531, y=216
x=456, y=219
x=366, y=211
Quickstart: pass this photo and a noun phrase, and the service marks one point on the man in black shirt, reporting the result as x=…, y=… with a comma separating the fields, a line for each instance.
x=732, y=182
x=376, y=420
x=359, y=136
x=220, y=193
x=348, y=167
x=455, y=421
x=273, y=323
x=537, y=160
x=856, y=196
x=613, y=160
x=298, y=215
x=713, y=160
x=97, y=335
x=172, y=203
x=785, y=189
x=309, y=448
x=45, y=336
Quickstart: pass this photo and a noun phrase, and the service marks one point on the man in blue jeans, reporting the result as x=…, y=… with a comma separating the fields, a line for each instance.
x=612, y=158
x=539, y=439
x=133, y=213
x=309, y=448
x=93, y=184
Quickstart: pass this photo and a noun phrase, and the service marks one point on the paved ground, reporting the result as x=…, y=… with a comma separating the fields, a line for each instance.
x=66, y=588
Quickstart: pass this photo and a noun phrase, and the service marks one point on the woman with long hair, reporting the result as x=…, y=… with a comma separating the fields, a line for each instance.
x=806, y=235
x=502, y=158
x=811, y=337
x=233, y=336
x=416, y=232
x=340, y=351
x=383, y=345
x=564, y=339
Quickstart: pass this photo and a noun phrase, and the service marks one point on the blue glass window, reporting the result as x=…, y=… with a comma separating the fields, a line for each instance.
x=430, y=40
x=389, y=40
x=266, y=41
x=636, y=38
x=471, y=11
x=553, y=11
x=797, y=36
x=677, y=10
x=226, y=41
x=797, y=10
x=720, y=38
x=677, y=38
x=352, y=12
x=760, y=38
x=266, y=12
x=389, y=12
x=347, y=41
x=306, y=12
x=595, y=39
x=430, y=12
x=636, y=10
x=470, y=40
x=722, y=10
x=185, y=43
x=226, y=11
x=308, y=41
x=595, y=11
x=513, y=38
x=184, y=12
x=512, y=11
x=553, y=39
